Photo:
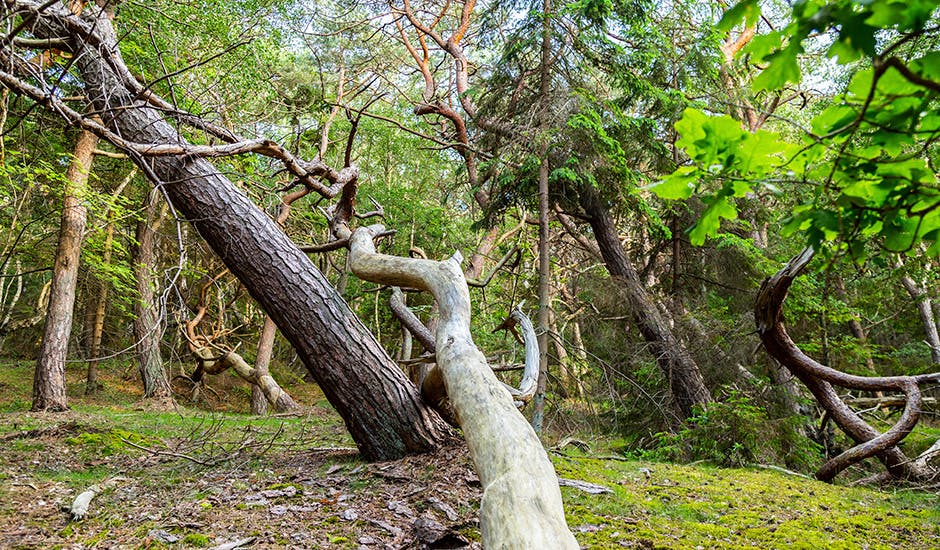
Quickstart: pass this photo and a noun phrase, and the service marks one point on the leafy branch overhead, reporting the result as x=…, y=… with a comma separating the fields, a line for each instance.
x=864, y=167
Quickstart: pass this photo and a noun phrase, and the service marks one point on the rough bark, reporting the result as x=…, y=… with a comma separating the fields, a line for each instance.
x=521, y=505
x=49, y=379
x=676, y=363
x=382, y=411
x=148, y=323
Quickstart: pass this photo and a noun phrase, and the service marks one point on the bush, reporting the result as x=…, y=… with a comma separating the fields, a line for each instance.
x=734, y=433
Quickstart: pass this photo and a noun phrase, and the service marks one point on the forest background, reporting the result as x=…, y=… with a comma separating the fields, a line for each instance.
x=627, y=172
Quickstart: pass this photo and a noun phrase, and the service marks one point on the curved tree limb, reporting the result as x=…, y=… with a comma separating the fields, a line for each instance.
x=521, y=505
x=768, y=315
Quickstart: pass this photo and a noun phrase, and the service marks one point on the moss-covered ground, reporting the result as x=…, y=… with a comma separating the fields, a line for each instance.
x=189, y=478
x=657, y=505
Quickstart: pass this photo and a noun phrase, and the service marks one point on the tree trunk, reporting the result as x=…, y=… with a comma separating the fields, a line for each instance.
x=148, y=322
x=259, y=402
x=855, y=327
x=545, y=295
x=382, y=410
x=820, y=379
x=685, y=380
x=101, y=302
x=49, y=379
x=545, y=292
x=922, y=300
x=97, y=316
x=521, y=505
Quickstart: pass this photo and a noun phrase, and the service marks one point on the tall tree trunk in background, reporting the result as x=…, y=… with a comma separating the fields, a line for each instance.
x=924, y=308
x=97, y=316
x=855, y=327
x=148, y=323
x=100, y=309
x=685, y=380
x=259, y=403
x=383, y=411
x=49, y=379
x=545, y=291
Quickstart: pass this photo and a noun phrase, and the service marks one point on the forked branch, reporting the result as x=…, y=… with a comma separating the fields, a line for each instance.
x=521, y=505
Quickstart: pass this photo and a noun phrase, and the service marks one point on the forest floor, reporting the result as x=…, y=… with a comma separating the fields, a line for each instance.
x=190, y=478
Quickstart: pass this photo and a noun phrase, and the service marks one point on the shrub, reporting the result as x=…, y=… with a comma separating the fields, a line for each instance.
x=736, y=432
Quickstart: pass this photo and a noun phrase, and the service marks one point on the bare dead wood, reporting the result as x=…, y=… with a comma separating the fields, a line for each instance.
x=530, y=374
x=768, y=315
x=410, y=321
x=521, y=505
x=890, y=401
x=79, y=508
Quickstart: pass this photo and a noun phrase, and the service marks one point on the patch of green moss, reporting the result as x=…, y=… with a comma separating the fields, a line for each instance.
x=196, y=539
x=664, y=505
x=110, y=442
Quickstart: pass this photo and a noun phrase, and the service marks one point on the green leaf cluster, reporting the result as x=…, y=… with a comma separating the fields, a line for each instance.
x=864, y=170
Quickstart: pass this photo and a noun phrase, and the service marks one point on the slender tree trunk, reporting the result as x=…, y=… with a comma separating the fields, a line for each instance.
x=148, y=322
x=101, y=301
x=96, y=316
x=545, y=292
x=924, y=308
x=49, y=379
x=580, y=354
x=383, y=412
x=259, y=401
x=855, y=327
x=685, y=380
x=565, y=380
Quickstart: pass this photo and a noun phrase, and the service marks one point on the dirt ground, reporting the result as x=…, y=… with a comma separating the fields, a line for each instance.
x=260, y=497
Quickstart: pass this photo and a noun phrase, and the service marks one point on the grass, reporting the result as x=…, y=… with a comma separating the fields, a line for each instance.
x=198, y=478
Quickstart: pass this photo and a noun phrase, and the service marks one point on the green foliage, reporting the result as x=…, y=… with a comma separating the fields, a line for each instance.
x=735, y=432
x=868, y=158
x=196, y=539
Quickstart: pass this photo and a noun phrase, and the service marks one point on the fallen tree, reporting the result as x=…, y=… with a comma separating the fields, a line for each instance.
x=820, y=379
x=521, y=505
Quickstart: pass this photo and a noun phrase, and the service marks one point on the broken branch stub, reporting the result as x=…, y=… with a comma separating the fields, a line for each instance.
x=521, y=505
